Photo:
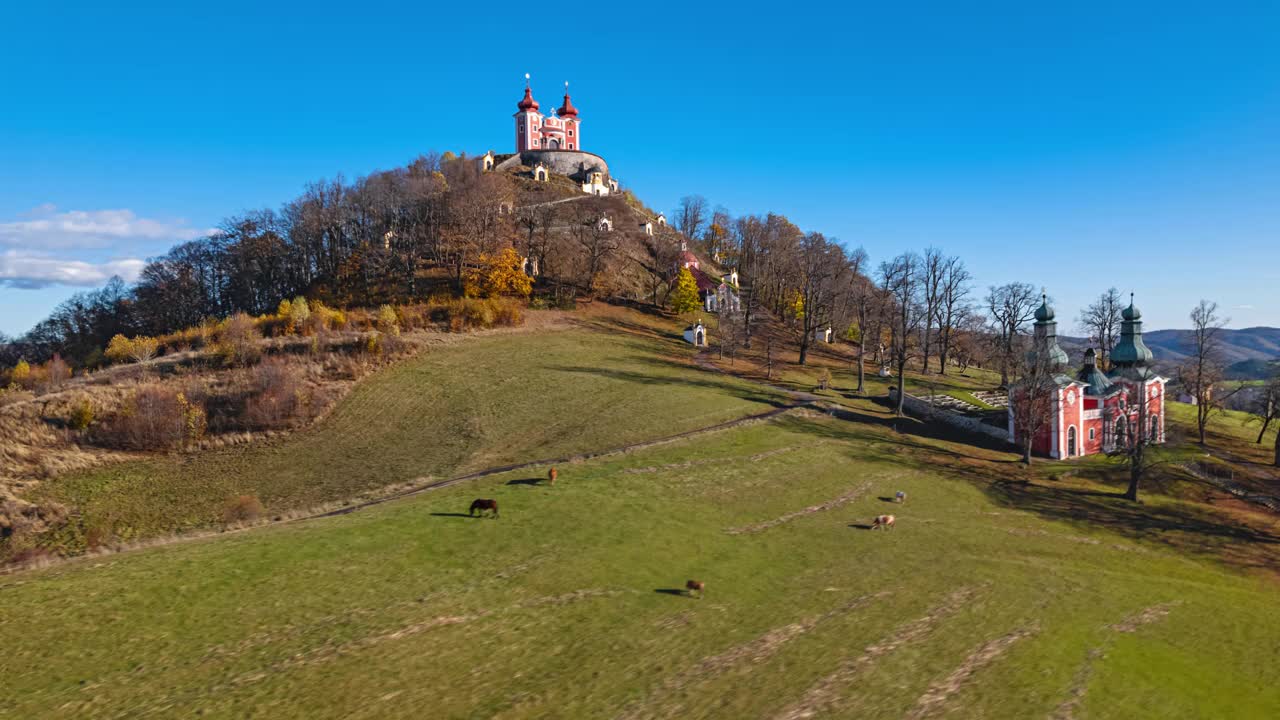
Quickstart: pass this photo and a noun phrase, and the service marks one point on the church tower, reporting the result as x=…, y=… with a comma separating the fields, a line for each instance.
x=1046, y=338
x=1131, y=354
x=528, y=121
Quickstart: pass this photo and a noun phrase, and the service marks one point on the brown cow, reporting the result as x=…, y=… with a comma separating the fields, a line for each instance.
x=552, y=474
x=482, y=505
x=883, y=521
x=694, y=586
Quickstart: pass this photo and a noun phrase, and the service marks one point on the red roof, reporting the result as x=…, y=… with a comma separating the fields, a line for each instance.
x=688, y=257
x=528, y=103
x=706, y=283
x=567, y=109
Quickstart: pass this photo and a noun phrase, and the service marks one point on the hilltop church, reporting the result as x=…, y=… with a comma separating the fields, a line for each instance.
x=552, y=144
x=1093, y=411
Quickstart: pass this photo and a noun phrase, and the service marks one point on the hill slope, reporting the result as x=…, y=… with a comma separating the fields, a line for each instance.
x=990, y=599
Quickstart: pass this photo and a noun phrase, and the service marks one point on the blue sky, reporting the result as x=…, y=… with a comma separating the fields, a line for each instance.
x=1077, y=148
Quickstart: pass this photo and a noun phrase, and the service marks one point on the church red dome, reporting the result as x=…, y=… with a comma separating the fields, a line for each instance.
x=528, y=103
x=567, y=109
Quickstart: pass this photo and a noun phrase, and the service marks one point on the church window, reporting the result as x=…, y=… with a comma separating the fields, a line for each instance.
x=521, y=129
x=570, y=133
x=1092, y=434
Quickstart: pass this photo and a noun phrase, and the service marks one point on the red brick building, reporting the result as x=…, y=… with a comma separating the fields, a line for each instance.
x=1092, y=411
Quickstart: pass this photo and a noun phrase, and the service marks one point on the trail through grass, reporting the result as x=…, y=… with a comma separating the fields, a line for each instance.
x=569, y=605
x=478, y=403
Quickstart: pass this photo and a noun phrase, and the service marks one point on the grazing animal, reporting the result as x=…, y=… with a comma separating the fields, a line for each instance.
x=900, y=497
x=694, y=586
x=552, y=474
x=482, y=505
x=883, y=521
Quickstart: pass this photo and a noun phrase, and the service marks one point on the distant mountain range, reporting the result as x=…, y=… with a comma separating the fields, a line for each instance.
x=1250, y=353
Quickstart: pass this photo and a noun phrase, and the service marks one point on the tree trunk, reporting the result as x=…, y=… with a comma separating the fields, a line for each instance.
x=925, y=365
x=1265, y=424
x=902, y=393
x=942, y=354
x=1277, y=463
x=804, y=347
x=1135, y=475
x=1026, y=451
x=862, y=369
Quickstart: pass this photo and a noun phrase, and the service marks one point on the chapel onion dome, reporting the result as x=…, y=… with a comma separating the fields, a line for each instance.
x=1098, y=384
x=1044, y=313
x=1131, y=351
x=528, y=103
x=567, y=109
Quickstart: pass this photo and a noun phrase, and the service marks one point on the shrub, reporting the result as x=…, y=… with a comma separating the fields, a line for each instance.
x=245, y=508
x=57, y=371
x=155, y=418
x=279, y=398
x=388, y=321
x=238, y=339
x=140, y=349
x=82, y=415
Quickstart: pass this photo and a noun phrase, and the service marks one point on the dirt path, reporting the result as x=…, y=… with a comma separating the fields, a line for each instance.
x=826, y=693
x=848, y=497
x=1080, y=682
x=665, y=700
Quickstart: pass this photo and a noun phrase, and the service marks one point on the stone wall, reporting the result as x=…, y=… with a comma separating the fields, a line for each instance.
x=571, y=163
x=922, y=409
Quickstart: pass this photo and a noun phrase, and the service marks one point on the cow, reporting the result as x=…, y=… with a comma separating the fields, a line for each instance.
x=694, y=586
x=883, y=521
x=552, y=474
x=482, y=504
x=900, y=497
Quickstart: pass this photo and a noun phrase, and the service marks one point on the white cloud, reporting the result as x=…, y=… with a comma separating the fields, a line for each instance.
x=25, y=270
x=44, y=227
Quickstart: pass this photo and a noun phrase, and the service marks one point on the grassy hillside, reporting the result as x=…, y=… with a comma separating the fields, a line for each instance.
x=992, y=598
x=989, y=599
x=477, y=403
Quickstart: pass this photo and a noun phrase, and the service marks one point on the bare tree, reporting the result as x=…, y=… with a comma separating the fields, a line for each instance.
x=819, y=264
x=1101, y=323
x=932, y=272
x=900, y=278
x=1010, y=306
x=1203, y=368
x=953, y=307
x=1264, y=409
x=691, y=216
x=1033, y=399
x=1135, y=447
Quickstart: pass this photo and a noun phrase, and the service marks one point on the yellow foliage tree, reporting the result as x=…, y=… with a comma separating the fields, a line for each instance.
x=119, y=349
x=299, y=314
x=684, y=298
x=500, y=274
x=21, y=374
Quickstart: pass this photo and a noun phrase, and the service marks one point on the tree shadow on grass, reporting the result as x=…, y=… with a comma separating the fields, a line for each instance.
x=1182, y=527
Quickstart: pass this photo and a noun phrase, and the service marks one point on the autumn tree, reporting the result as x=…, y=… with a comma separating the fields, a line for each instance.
x=684, y=298
x=501, y=273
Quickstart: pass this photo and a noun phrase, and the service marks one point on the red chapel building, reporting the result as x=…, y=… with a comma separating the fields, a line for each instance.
x=1094, y=411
